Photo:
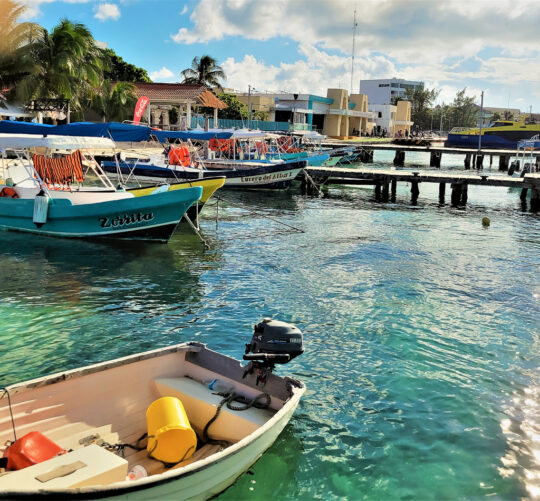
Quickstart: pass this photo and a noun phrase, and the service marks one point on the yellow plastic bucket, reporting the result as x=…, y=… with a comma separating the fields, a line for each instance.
x=170, y=436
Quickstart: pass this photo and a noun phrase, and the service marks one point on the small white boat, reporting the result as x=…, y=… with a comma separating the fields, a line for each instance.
x=110, y=404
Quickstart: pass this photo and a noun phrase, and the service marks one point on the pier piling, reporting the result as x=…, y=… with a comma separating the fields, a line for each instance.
x=523, y=195
x=479, y=161
x=504, y=160
x=366, y=156
x=393, y=190
x=415, y=191
x=456, y=194
x=399, y=158
x=442, y=192
x=386, y=190
x=377, y=191
x=467, y=161
x=464, y=190
x=535, y=200
x=435, y=159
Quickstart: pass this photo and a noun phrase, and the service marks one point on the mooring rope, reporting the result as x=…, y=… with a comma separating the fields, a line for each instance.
x=259, y=214
x=6, y=392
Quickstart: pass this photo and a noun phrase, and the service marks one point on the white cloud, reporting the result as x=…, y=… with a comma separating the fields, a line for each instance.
x=184, y=10
x=107, y=11
x=163, y=75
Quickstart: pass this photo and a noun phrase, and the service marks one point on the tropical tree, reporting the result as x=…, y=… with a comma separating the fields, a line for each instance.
x=463, y=111
x=120, y=71
x=114, y=101
x=421, y=105
x=15, y=40
x=204, y=71
x=65, y=64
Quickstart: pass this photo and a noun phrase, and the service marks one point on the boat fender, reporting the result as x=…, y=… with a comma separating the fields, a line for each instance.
x=511, y=170
x=8, y=193
x=41, y=208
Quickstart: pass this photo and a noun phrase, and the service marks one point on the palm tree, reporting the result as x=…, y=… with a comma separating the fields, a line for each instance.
x=15, y=40
x=112, y=101
x=64, y=64
x=204, y=71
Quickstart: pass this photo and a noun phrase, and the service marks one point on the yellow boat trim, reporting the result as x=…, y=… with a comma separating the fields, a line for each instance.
x=209, y=187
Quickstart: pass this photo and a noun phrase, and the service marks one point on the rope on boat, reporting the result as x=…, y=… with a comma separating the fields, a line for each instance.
x=308, y=177
x=6, y=392
x=197, y=232
x=245, y=403
x=259, y=214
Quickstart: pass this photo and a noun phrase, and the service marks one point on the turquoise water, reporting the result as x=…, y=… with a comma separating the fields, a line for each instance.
x=421, y=330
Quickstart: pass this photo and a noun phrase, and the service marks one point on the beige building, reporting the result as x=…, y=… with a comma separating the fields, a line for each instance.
x=346, y=117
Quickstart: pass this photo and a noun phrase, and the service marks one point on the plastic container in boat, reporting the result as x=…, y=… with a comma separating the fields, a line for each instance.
x=31, y=449
x=170, y=436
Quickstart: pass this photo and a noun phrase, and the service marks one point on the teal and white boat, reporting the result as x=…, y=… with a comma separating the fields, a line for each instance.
x=51, y=200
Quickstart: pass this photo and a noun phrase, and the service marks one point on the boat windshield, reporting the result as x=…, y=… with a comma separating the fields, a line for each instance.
x=501, y=124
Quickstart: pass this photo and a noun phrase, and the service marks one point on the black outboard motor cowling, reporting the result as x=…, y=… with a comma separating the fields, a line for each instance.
x=273, y=342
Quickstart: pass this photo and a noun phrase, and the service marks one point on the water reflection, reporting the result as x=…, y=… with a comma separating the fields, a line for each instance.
x=70, y=270
x=522, y=432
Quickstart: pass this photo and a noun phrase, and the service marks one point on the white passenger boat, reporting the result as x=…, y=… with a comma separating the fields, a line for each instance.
x=92, y=414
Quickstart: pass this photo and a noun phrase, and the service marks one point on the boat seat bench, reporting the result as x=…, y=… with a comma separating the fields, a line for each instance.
x=201, y=404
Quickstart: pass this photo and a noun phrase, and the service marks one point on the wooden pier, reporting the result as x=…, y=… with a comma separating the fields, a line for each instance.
x=385, y=182
x=473, y=158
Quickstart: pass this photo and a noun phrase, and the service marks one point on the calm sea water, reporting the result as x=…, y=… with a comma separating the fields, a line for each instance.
x=421, y=330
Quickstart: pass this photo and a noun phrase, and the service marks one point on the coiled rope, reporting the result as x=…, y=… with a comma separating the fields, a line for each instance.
x=228, y=400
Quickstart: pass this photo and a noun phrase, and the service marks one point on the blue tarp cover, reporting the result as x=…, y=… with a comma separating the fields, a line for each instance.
x=195, y=135
x=113, y=130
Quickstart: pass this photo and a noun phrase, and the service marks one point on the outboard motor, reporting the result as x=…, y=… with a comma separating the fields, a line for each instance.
x=273, y=342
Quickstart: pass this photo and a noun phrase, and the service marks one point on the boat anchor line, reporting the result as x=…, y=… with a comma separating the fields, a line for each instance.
x=196, y=230
x=219, y=199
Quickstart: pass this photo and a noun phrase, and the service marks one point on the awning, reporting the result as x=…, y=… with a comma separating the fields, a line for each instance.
x=194, y=135
x=22, y=141
x=112, y=130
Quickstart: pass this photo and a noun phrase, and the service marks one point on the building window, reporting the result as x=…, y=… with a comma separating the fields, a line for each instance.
x=380, y=114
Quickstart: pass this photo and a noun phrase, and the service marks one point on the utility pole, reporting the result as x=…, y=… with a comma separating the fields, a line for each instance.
x=481, y=121
x=353, y=39
x=249, y=105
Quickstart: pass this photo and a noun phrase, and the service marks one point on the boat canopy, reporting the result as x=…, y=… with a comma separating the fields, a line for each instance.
x=22, y=141
x=194, y=135
x=112, y=130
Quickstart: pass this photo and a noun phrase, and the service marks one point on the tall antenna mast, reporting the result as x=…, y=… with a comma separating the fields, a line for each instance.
x=353, y=38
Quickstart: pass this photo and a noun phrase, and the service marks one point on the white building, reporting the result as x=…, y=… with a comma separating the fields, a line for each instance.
x=383, y=91
x=392, y=119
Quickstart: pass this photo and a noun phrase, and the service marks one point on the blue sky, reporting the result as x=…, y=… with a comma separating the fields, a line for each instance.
x=305, y=45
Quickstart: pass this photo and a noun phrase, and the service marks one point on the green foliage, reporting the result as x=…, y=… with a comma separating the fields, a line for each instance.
x=236, y=110
x=463, y=112
x=421, y=105
x=115, y=102
x=64, y=64
x=204, y=71
x=120, y=71
x=15, y=40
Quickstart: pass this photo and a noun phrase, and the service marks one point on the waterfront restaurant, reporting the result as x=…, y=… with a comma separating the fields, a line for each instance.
x=186, y=97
